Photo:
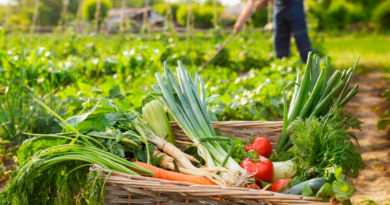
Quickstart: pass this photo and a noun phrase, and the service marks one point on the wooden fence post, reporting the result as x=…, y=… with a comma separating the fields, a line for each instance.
x=79, y=16
x=97, y=15
x=188, y=23
x=215, y=14
x=64, y=16
x=35, y=16
x=122, y=15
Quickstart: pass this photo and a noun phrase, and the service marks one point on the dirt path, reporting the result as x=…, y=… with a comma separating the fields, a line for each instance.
x=374, y=182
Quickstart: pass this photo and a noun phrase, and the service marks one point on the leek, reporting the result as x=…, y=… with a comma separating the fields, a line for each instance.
x=185, y=99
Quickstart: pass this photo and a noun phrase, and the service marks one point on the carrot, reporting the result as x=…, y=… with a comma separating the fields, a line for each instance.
x=174, y=176
x=146, y=166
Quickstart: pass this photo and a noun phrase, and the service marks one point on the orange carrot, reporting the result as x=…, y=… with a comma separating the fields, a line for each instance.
x=174, y=176
x=146, y=166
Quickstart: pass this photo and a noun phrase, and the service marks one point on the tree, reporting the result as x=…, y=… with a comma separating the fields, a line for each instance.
x=89, y=9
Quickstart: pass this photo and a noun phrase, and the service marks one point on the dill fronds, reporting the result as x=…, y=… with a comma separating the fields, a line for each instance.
x=321, y=145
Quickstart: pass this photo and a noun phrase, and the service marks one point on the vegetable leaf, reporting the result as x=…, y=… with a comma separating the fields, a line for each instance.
x=98, y=115
x=156, y=160
x=342, y=189
x=325, y=192
x=92, y=116
x=306, y=191
x=31, y=146
x=124, y=105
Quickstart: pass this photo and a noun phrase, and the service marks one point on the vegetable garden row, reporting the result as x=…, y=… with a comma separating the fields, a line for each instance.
x=169, y=137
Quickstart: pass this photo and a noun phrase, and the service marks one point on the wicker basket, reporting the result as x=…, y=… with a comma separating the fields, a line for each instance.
x=127, y=189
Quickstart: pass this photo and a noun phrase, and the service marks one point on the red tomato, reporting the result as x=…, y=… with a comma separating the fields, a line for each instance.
x=260, y=168
x=262, y=146
x=278, y=184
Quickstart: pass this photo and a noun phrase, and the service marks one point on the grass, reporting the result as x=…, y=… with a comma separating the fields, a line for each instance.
x=374, y=51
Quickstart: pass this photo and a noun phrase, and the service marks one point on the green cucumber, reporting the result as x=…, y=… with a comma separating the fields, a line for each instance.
x=315, y=185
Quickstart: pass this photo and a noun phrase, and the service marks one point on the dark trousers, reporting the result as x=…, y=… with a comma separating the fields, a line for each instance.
x=290, y=18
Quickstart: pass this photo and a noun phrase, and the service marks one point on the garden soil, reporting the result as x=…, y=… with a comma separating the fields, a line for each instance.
x=373, y=182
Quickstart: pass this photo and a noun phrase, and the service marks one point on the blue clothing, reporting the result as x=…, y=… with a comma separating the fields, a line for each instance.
x=289, y=17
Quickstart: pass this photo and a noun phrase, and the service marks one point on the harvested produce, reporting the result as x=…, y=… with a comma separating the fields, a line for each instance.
x=40, y=176
x=262, y=146
x=322, y=145
x=185, y=99
x=174, y=176
x=283, y=170
x=157, y=120
x=279, y=184
x=259, y=168
x=315, y=94
x=314, y=184
x=314, y=155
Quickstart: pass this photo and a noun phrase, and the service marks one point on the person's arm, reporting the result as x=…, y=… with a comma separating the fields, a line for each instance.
x=250, y=7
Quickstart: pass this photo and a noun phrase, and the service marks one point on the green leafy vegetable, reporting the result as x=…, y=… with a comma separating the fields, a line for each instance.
x=314, y=96
x=306, y=191
x=97, y=115
x=323, y=145
x=325, y=192
x=342, y=189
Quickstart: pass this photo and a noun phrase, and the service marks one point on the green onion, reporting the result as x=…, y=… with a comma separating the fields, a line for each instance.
x=315, y=94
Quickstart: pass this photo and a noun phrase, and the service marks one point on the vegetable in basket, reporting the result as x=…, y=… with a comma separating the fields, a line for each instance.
x=185, y=99
x=322, y=148
x=157, y=120
x=260, y=145
x=174, y=176
x=54, y=169
x=283, y=170
x=315, y=94
x=279, y=184
x=259, y=168
x=316, y=136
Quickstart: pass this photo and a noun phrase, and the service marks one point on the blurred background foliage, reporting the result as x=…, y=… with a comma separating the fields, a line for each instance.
x=329, y=15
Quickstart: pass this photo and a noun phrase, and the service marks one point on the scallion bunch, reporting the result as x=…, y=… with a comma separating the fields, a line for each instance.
x=315, y=94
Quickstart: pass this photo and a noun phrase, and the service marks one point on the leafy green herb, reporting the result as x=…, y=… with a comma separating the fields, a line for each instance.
x=323, y=145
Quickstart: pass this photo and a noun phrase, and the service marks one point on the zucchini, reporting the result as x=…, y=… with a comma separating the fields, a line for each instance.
x=315, y=185
x=157, y=120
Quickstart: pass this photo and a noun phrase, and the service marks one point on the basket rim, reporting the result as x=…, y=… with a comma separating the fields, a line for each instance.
x=162, y=186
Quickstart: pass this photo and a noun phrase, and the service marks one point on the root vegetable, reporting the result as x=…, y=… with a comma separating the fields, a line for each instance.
x=174, y=176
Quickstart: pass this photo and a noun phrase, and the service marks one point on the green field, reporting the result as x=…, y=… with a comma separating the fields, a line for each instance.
x=73, y=67
x=374, y=50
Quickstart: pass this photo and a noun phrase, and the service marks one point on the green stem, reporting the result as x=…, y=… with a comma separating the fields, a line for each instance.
x=226, y=139
x=70, y=126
